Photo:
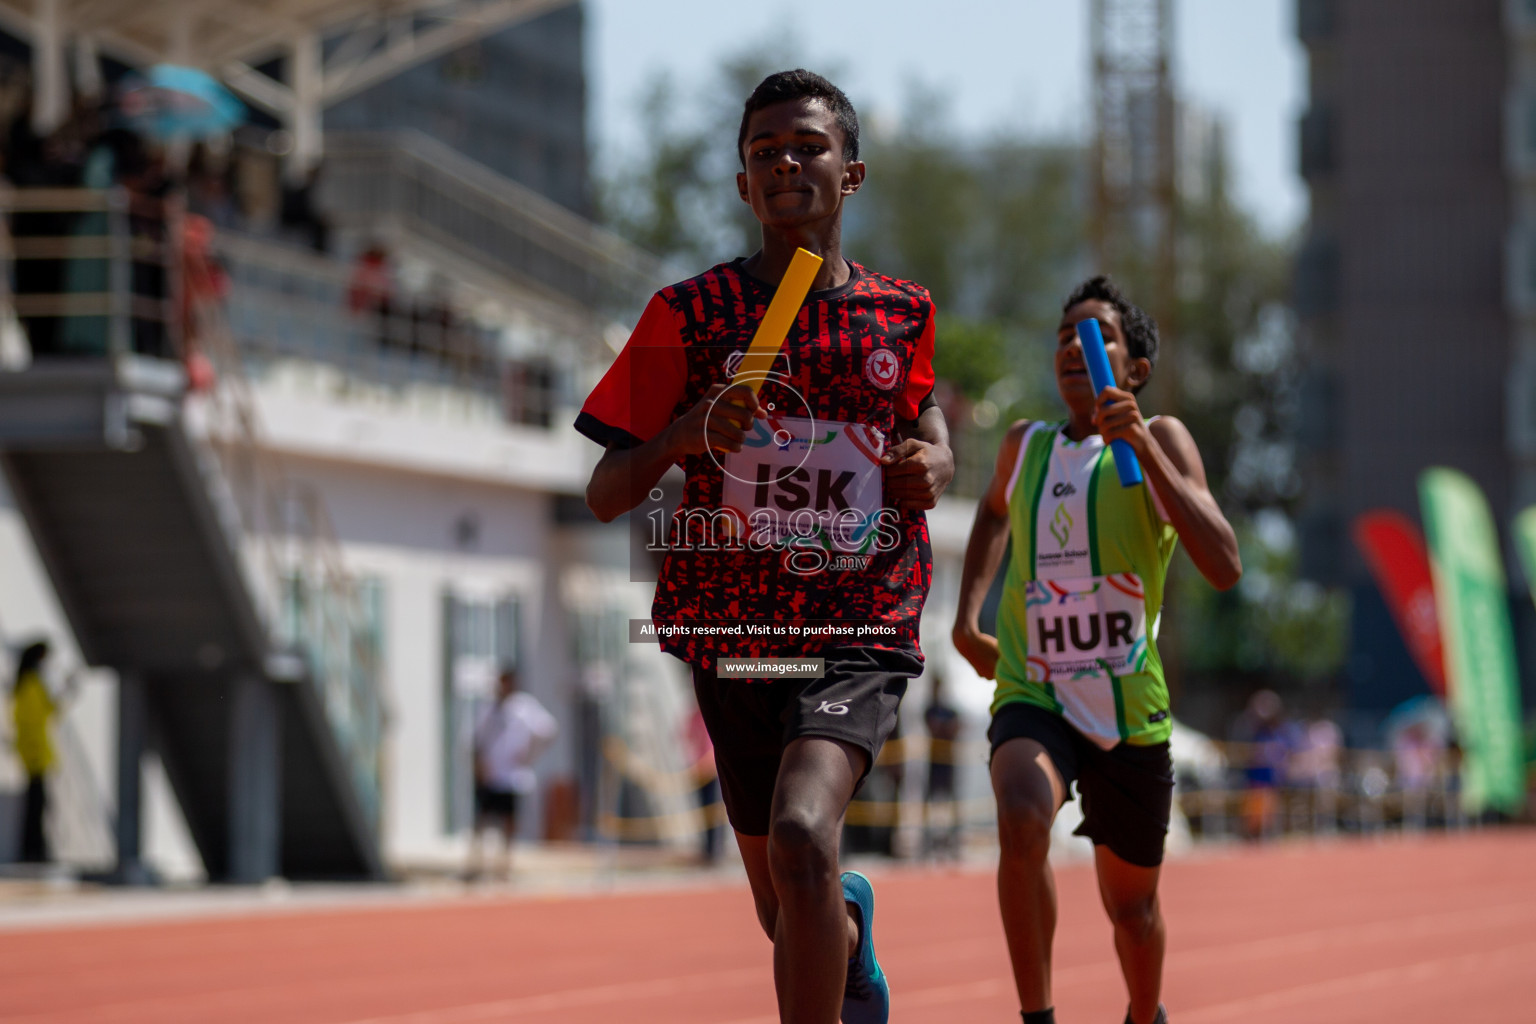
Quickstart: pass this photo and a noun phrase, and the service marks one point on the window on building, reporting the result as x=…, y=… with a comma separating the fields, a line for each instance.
x=1316, y=427
x=336, y=630
x=529, y=389
x=464, y=66
x=1525, y=130
x=1322, y=548
x=599, y=636
x=1521, y=271
x=1319, y=150
x=1317, y=276
x=1316, y=20
x=1521, y=417
x=480, y=636
x=1526, y=299
x=371, y=629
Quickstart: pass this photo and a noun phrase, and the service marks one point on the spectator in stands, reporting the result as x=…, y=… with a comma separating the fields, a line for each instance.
x=1317, y=766
x=371, y=293
x=509, y=737
x=1265, y=743
x=209, y=191
x=34, y=708
x=204, y=287
x=435, y=333
x=943, y=724
x=300, y=220
x=1418, y=750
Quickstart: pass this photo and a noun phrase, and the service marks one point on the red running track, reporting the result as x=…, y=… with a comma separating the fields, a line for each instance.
x=1426, y=929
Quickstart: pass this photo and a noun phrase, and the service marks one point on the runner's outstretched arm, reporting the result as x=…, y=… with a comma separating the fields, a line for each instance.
x=1174, y=470
x=623, y=476
x=983, y=556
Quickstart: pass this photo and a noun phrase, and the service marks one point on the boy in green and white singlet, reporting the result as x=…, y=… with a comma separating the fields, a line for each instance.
x=1081, y=695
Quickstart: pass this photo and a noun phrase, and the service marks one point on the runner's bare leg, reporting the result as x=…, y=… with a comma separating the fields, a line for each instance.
x=1129, y=893
x=1029, y=792
x=795, y=880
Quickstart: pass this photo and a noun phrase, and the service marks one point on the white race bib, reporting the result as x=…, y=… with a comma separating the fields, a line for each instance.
x=801, y=478
x=1080, y=628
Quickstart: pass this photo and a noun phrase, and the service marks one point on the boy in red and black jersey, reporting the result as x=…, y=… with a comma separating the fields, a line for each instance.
x=802, y=515
x=857, y=363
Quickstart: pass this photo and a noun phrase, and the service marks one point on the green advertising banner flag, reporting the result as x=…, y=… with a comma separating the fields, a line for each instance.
x=1479, y=644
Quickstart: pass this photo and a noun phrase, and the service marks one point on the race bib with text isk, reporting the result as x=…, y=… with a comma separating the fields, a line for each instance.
x=805, y=480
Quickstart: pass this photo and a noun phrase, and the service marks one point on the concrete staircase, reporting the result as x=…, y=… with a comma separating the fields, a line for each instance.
x=274, y=765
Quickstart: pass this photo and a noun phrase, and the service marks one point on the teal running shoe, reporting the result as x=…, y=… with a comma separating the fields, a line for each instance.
x=867, y=999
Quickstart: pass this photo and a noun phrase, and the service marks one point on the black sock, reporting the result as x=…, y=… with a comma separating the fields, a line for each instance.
x=1046, y=1016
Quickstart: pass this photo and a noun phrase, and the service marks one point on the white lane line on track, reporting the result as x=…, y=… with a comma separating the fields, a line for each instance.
x=1237, y=1010
x=1352, y=984
x=1092, y=972
x=948, y=995
x=595, y=996
x=1423, y=925
x=1098, y=971
x=1225, y=953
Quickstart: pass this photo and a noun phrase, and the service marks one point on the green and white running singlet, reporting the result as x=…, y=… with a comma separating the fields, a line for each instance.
x=1077, y=624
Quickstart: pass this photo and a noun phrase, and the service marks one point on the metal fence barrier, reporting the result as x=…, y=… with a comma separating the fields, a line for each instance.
x=1365, y=796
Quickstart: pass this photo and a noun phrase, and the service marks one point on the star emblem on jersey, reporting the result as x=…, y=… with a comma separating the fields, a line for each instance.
x=882, y=368
x=1061, y=525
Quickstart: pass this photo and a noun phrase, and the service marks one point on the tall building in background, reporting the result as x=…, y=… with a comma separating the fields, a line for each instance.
x=514, y=101
x=1415, y=324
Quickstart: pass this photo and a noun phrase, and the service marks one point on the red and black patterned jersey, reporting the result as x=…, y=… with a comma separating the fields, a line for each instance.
x=793, y=531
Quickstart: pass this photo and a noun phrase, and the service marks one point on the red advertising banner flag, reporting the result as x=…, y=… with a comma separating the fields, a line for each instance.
x=1394, y=549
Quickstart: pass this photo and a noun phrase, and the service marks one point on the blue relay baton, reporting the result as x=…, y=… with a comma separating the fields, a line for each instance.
x=1099, y=373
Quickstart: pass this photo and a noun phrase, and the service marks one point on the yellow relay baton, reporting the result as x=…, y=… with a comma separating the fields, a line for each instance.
x=757, y=361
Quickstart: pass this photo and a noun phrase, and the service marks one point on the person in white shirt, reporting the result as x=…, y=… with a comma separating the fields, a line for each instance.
x=510, y=735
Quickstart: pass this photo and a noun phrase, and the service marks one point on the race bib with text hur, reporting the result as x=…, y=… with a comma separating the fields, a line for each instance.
x=807, y=481
x=1091, y=627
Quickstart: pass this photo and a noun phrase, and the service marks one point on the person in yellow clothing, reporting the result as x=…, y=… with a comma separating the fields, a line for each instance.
x=33, y=709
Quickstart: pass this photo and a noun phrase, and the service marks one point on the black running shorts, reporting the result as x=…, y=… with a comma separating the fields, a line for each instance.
x=1127, y=791
x=752, y=721
x=494, y=803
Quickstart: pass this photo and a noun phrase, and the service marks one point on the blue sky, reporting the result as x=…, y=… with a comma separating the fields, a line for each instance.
x=1020, y=65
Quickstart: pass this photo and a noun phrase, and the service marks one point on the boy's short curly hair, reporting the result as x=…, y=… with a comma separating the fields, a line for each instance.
x=785, y=86
x=1140, y=330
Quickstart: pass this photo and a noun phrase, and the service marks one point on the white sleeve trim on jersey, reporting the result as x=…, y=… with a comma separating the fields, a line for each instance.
x=1018, y=462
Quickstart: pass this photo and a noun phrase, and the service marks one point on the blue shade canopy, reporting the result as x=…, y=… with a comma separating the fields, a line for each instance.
x=174, y=102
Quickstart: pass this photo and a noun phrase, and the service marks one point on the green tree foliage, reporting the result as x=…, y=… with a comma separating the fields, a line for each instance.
x=677, y=196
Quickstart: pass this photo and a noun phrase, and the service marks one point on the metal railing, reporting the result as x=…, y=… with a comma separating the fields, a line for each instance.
x=91, y=272
x=128, y=286
x=1363, y=796
x=433, y=191
x=313, y=603
x=81, y=825
x=288, y=303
